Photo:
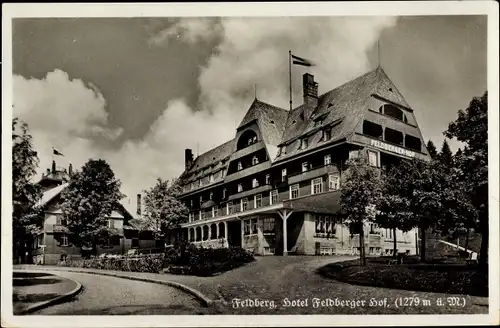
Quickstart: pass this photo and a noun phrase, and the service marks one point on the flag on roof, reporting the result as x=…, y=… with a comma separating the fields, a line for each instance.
x=57, y=152
x=302, y=61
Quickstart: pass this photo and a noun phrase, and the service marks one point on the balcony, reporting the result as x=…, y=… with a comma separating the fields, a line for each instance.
x=247, y=150
x=249, y=192
x=312, y=173
x=396, y=150
x=248, y=171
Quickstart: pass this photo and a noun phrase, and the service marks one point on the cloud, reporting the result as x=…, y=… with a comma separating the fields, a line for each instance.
x=71, y=115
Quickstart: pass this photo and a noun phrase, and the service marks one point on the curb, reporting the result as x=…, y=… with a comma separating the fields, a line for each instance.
x=53, y=301
x=204, y=300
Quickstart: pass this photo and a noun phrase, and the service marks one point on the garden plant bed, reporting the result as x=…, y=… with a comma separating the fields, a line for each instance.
x=450, y=278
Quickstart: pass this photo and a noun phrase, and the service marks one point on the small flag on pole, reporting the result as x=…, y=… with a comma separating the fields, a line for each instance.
x=57, y=152
x=302, y=61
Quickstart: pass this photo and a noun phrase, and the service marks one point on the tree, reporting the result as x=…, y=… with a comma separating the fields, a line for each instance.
x=162, y=209
x=471, y=128
x=393, y=204
x=446, y=156
x=25, y=194
x=361, y=187
x=87, y=202
x=431, y=148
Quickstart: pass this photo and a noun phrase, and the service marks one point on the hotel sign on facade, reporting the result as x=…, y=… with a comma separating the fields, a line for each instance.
x=392, y=148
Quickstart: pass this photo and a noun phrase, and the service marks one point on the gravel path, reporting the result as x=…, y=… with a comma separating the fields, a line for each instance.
x=103, y=295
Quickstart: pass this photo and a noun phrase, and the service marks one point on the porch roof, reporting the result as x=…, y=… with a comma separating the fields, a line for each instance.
x=325, y=203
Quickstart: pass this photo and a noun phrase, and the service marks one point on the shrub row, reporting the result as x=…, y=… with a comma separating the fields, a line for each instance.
x=183, y=258
x=149, y=263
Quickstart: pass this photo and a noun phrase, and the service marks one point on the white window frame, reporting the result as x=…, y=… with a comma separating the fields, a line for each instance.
x=283, y=175
x=211, y=195
x=377, y=158
x=224, y=190
x=327, y=159
x=293, y=188
x=327, y=132
x=255, y=183
x=229, y=206
x=199, y=214
x=353, y=154
x=215, y=210
x=304, y=143
x=240, y=187
x=244, y=201
x=314, y=183
x=255, y=160
x=259, y=196
x=109, y=223
x=305, y=166
x=268, y=179
x=331, y=180
x=271, y=193
x=240, y=166
x=201, y=199
x=64, y=240
x=202, y=215
x=222, y=173
x=211, y=177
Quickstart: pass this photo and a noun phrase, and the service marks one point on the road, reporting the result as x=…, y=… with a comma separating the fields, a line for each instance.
x=103, y=295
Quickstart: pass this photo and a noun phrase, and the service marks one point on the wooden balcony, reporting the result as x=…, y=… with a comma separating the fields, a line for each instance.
x=312, y=173
x=247, y=151
x=248, y=171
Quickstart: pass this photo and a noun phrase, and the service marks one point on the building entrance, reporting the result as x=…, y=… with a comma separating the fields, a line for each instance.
x=234, y=233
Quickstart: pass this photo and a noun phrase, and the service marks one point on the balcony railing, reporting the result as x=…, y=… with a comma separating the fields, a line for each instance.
x=247, y=150
x=312, y=173
x=250, y=192
x=248, y=171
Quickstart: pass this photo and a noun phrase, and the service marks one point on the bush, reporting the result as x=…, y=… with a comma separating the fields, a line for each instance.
x=185, y=258
x=148, y=263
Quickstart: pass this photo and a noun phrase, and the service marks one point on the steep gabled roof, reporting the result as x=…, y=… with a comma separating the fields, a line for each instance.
x=212, y=156
x=343, y=107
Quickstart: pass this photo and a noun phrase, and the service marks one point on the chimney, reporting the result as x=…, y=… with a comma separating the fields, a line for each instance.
x=48, y=171
x=53, y=166
x=139, y=204
x=310, y=89
x=70, y=169
x=188, y=158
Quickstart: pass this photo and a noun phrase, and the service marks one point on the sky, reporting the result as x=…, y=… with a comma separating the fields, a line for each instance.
x=138, y=91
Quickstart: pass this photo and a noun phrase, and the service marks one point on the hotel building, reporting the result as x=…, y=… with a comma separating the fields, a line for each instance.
x=275, y=187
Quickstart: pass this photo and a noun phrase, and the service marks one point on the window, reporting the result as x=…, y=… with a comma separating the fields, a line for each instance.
x=199, y=183
x=223, y=173
x=240, y=187
x=201, y=199
x=240, y=166
x=372, y=129
x=111, y=223
x=327, y=135
x=211, y=195
x=64, y=240
x=255, y=183
x=255, y=160
x=215, y=211
x=294, y=191
x=254, y=226
x=246, y=227
x=413, y=143
x=190, y=217
x=229, y=207
x=394, y=136
x=353, y=154
x=325, y=225
x=202, y=215
x=328, y=159
x=392, y=111
x=283, y=175
x=316, y=186
x=244, y=204
x=274, y=196
x=258, y=201
x=268, y=179
x=191, y=203
x=211, y=178
x=373, y=158
x=305, y=166
x=303, y=143
x=135, y=242
x=334, y=181
x=268, y=225
x=224, y=193
x=199, y=215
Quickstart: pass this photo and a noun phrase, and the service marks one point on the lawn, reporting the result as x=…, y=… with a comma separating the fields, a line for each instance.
x=439, y=277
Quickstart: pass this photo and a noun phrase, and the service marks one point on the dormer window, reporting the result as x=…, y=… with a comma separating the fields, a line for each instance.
x=240, y=166
x=255, y=160
x=240, y=187
x=303, y=143
x=199, y=182
x=255, y=183
x=211, y=178
x=283, y=175
x=327, y=134
x=305, y=166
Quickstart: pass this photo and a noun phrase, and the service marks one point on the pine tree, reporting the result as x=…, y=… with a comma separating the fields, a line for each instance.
x=431, y=148
x=445, y=156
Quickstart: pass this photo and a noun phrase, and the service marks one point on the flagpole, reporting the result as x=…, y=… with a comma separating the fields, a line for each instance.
x=290, y=75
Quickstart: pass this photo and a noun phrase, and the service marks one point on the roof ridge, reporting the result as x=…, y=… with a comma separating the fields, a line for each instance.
x=222, y=144
x=270, y=105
